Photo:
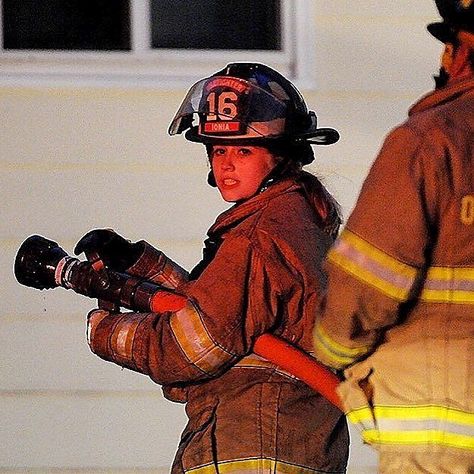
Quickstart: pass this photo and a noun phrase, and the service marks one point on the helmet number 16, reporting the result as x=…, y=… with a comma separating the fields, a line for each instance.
x=222, y=106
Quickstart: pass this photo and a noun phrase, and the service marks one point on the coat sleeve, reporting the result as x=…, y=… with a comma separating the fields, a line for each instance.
x=155, y=266
x=377, y=263
x=215, y=327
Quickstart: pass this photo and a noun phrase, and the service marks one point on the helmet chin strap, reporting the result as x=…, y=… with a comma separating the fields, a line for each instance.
x=280, y=171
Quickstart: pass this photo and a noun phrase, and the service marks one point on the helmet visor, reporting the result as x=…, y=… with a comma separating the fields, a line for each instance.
x=230, y=108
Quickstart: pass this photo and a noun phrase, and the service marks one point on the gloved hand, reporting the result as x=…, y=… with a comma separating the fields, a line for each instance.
x=116, y=252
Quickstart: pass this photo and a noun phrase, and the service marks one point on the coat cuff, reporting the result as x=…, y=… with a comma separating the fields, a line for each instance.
x=155, y=266
x=120, y=338
x=332, y=352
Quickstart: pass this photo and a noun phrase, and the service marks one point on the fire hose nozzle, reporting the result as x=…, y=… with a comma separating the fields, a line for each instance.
x=36, y=262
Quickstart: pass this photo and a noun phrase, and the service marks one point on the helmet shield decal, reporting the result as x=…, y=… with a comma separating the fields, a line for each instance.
x=230, y=108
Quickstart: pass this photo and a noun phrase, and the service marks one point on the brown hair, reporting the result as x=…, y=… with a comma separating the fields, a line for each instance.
x=291, y=158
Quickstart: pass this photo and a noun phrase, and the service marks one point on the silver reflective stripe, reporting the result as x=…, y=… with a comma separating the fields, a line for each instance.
x=253, y=361
x=423, y=425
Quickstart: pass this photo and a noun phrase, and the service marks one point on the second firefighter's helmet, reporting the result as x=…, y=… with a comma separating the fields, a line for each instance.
x=248, y=103
x=457, y=15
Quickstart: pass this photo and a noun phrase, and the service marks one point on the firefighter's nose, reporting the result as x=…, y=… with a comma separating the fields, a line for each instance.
x=228, y=162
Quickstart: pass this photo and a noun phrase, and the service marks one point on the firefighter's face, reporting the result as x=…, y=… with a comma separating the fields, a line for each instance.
x=240, y=170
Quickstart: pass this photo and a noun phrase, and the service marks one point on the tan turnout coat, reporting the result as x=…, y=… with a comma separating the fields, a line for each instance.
x=245, y=415
x=400, y=305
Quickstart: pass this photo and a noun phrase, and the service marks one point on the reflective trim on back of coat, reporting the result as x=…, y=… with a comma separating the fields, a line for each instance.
x=373, y=266
x=250, y=466
x=395, y=279
x=414, y=425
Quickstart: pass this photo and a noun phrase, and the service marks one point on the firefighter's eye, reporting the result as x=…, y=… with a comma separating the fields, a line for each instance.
x=217, y=151
x=245, y=151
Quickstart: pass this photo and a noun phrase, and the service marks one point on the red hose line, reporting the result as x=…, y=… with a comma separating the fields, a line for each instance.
x=299, y=364
x=274, y=349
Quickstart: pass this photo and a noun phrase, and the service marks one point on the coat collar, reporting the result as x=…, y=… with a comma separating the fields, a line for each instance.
x=239, y=212
x=442, y=96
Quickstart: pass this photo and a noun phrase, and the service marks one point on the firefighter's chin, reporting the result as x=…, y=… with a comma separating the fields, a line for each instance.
x=234, y=190
x=230, y=193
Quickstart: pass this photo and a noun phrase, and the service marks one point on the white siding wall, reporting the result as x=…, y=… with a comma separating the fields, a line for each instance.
x=72, y=159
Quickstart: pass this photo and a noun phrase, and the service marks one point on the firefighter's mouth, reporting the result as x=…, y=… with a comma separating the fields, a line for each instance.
x=229, y=182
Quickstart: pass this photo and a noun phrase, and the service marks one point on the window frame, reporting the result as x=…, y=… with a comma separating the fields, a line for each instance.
x=162, y=68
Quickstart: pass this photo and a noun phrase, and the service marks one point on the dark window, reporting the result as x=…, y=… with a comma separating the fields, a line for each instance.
x=66, y=24
x=216, y=24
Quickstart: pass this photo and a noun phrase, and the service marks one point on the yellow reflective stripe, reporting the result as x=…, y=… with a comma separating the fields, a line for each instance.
x=338, y=354
x=440, y=296
x=394, y=278
x=449, y=285
x=194, y=340
x=247, y=466
x=419, y=437
x=121, y=340
x=372, y=266
x=451, y=273
x=360, y=415
x=396, y=425
x=421, y=412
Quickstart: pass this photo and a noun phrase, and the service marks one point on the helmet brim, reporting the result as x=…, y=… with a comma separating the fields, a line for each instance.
x=321, y=136
x=442, y=31
x=193, y=135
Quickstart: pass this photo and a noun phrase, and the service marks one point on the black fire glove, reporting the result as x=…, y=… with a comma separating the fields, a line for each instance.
x=116, y=252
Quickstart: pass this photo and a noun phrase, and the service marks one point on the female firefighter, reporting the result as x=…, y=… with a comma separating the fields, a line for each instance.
x=261, y=272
